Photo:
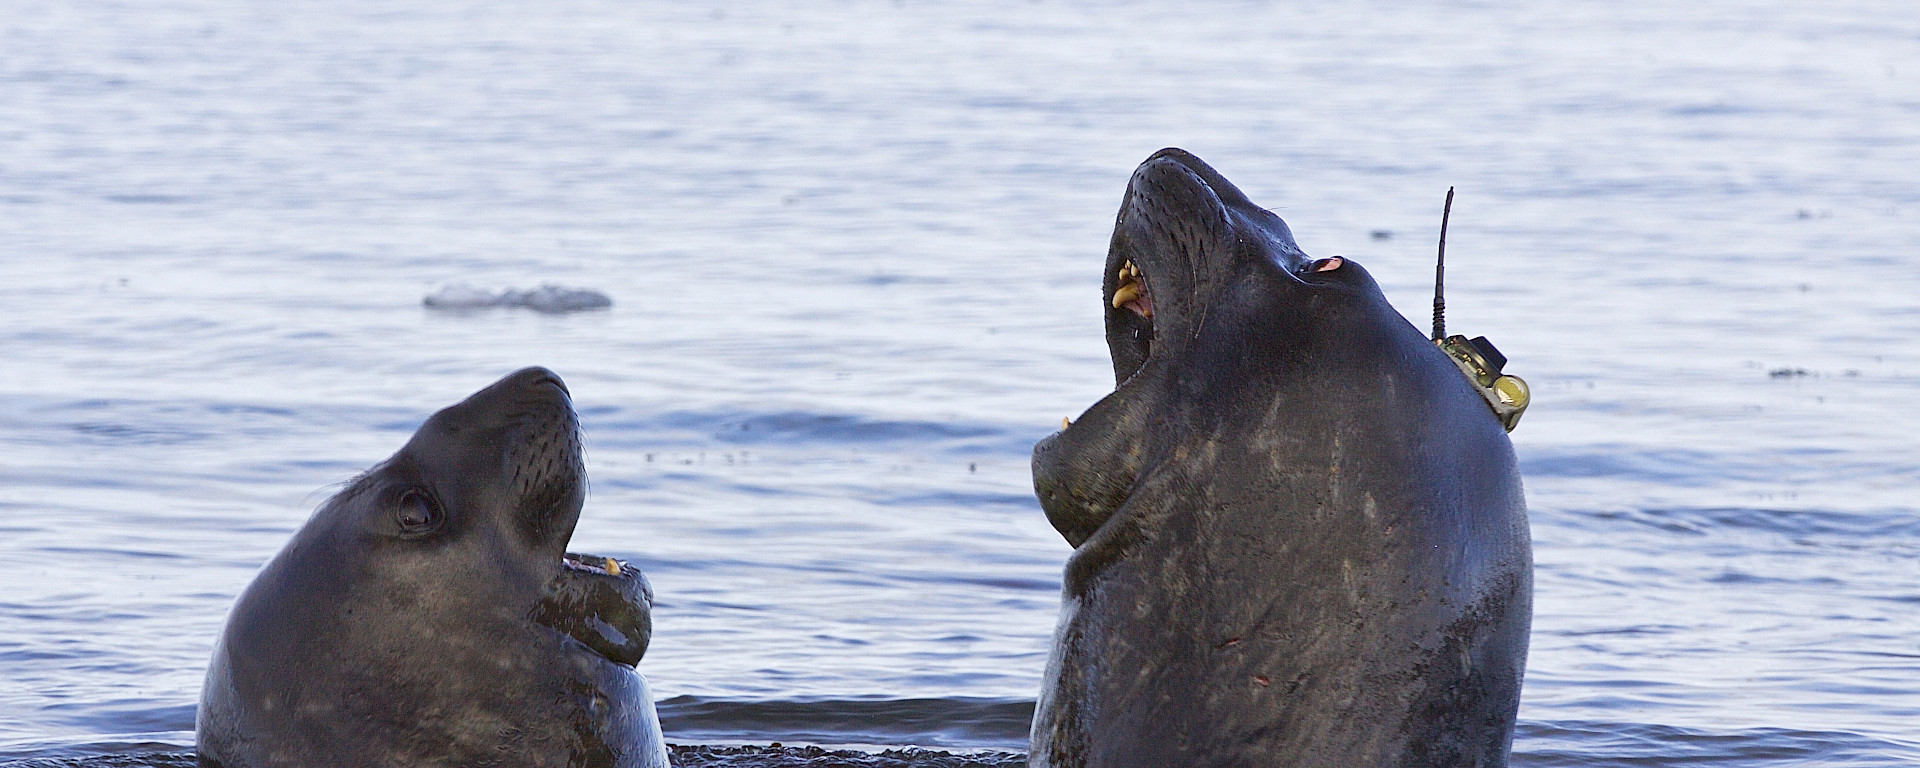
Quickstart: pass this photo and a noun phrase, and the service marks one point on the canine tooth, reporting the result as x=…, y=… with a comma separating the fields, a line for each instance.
x=613, y=566
x=1065, y=422
x=1126, y=293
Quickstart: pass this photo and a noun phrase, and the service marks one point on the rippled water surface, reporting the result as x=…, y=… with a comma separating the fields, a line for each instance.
x=854, y=255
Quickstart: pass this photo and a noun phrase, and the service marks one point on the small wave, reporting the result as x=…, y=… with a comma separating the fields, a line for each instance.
x=166, y=749
x=803, y=428
x=836, y=427
x=966, y=723
x=1883, y=525
x=1670, y=466
x=143, y=760
x=548, y=298
x=1540, y=744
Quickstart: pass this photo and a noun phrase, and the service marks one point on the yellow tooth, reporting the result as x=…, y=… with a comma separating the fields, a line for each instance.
x=1133, y=269
x=1065, y=422
x=613, y=566
x=1126, y=293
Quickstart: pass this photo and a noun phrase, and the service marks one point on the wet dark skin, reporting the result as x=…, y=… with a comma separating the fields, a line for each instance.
x=1300, y=537
x=430, y=615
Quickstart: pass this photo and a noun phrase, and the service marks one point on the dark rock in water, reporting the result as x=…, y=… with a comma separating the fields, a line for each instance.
x=682, y=756
x=776, y=756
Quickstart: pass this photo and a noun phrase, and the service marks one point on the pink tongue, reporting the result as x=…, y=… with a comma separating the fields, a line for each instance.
x=1142, y=306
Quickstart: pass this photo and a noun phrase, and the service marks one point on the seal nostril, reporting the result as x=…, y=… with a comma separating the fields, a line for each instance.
x=1328, y=264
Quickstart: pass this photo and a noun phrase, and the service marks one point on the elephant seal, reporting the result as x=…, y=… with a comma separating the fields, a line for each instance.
x=430, y=615
x=1300, y=538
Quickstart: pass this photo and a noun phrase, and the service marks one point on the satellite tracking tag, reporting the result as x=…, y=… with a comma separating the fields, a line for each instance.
x=1477, y=358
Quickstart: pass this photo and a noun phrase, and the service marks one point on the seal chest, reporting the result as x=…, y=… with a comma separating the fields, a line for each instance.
x=430, y=614
x=1299, y=532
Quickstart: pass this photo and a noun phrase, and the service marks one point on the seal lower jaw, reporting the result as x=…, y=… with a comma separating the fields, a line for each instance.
x=603, y=603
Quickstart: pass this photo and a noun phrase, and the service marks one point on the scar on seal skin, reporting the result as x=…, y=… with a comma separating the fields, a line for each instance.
x=1300, y=537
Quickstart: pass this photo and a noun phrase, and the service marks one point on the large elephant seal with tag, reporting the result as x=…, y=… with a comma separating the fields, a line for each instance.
x=430, y=614
x=1300, y=538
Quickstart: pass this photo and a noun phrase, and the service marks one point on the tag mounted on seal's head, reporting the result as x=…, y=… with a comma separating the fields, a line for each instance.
x=1508, y=396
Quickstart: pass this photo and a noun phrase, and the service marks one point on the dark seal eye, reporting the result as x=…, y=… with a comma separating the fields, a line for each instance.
x=417, y=513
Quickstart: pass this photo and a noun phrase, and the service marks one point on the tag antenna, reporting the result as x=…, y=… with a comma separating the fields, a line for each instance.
x=1440, y=274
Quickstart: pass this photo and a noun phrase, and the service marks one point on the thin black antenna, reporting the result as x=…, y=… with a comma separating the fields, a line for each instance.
x=1440, y=274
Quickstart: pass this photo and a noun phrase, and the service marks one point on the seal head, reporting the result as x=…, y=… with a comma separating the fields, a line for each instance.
x=1300, y=537
x=429, y=614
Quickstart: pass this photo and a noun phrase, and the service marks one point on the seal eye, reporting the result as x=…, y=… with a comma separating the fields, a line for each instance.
x=417, y=513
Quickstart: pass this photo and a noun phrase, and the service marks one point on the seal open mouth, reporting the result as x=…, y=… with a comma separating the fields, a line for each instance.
x=1130, y=324
x=1130, y=319
x=1132, y=292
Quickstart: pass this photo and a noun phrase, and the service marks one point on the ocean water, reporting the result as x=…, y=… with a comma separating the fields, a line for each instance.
x=854, y=256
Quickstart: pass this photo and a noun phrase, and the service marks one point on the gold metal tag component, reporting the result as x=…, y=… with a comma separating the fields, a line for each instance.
x=1508, y=396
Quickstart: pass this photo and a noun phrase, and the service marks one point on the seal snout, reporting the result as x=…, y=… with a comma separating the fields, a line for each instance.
x=533, y=380
x=538, y=444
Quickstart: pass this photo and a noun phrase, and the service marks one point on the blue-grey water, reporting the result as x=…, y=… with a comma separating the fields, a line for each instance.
x=854, y=255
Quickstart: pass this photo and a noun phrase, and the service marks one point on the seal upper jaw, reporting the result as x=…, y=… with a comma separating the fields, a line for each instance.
x=1182, y=236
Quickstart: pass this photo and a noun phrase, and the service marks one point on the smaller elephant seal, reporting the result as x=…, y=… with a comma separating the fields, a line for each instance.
x=1300, y=538
x=430, y=615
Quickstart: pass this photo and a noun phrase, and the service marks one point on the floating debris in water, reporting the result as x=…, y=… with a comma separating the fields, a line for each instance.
x=1381, y=234
x=549, y=298
x=1788, y=373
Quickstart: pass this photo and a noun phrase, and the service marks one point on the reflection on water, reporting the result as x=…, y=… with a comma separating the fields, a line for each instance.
x=853, y=259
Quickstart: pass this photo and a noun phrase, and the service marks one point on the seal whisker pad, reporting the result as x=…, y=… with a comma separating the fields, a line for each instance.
x=430, y=614
x=1256, y=582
